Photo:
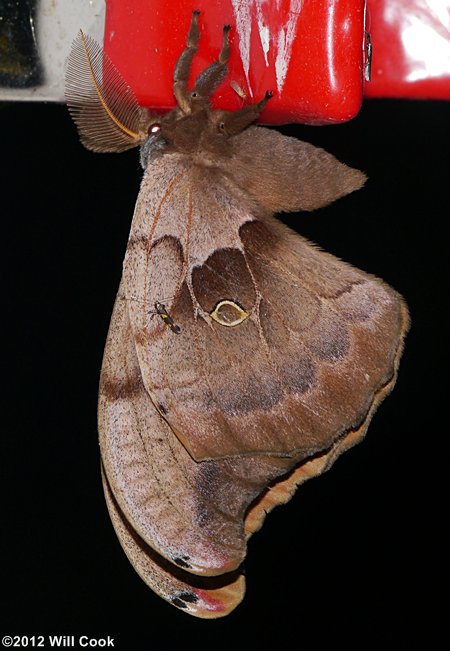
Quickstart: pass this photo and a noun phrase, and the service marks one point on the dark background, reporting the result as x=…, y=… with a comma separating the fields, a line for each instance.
x=353, y=560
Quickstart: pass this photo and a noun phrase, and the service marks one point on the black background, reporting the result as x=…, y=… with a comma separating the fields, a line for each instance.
x=353, y=559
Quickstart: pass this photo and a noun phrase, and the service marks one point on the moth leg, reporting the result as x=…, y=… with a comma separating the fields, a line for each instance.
x=213, y=75
x=236, y=121
x=183, y=66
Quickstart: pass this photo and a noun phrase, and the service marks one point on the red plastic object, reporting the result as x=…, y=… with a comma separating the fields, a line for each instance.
x=309, y=52
x=411, y=48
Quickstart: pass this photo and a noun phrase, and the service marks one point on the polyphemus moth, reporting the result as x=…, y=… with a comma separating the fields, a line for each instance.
x=209, y=423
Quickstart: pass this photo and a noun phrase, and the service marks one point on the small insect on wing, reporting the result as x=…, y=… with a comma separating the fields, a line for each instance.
x=160, y=309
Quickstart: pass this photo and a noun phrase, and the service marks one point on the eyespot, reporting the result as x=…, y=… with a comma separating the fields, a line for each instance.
x=228, y=313
x=153, y=128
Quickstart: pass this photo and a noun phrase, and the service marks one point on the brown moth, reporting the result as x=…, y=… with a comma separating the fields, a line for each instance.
x=204, y=433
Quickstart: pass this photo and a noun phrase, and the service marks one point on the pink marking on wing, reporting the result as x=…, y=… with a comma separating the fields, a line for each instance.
x=215, y=605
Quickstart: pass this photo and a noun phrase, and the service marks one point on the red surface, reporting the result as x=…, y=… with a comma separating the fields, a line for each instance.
x=411, y=48
x=323, y=81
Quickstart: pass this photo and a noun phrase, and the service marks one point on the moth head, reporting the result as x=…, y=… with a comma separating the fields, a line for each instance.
x=202, y=131
x=109, y=118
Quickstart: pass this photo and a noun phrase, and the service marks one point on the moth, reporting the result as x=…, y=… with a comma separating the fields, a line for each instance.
x=204, y=433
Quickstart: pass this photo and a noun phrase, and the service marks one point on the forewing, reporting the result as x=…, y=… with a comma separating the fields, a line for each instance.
x=319, y=338
x=319, y=344
x=287, y=174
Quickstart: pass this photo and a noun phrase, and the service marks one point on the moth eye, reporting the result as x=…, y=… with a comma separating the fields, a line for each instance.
x=228, y=313
x=222, y=126
x=153, y=128
x=194, y=94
